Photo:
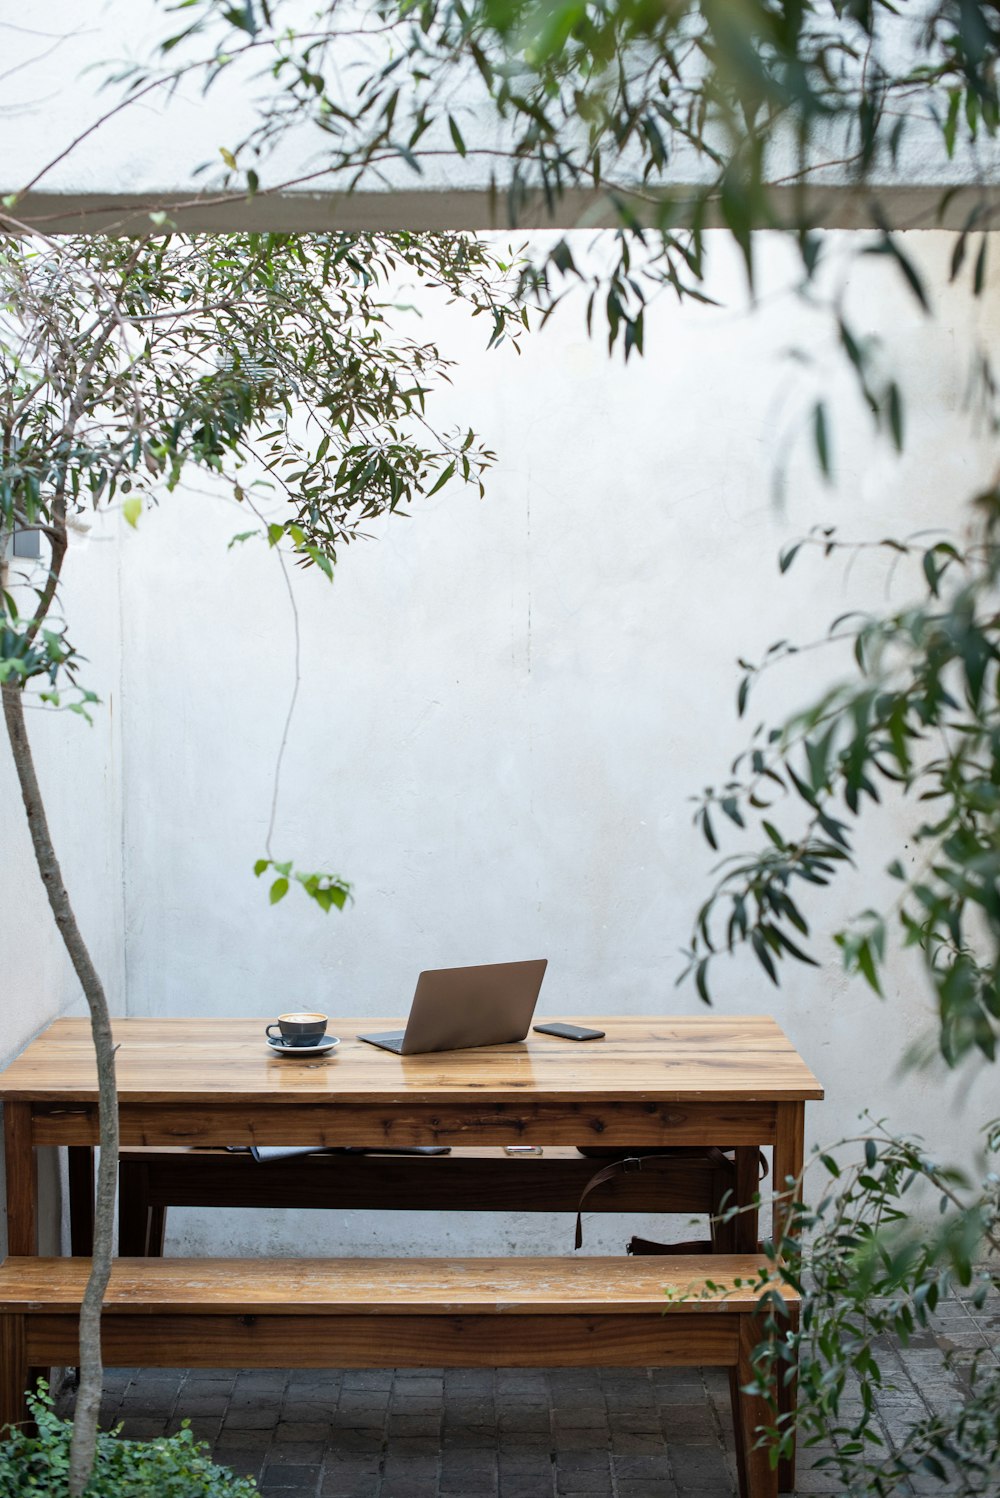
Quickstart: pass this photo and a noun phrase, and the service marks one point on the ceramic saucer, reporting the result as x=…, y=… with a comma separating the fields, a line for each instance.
x=280, y=1048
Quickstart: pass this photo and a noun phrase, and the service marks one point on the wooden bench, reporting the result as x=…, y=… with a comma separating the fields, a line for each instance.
x=387, y=1313
x=692, y=1181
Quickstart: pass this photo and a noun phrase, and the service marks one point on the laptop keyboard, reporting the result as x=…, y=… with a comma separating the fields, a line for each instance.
x=389, y=1040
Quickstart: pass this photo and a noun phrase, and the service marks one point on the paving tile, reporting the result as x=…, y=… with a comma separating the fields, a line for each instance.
x=354, y=1487
x=295, y=1453
x=645, y=1466
x=242, y=1462
x=299, y=1479
x=351, y=1470
x=302, y=1430
x=513, y=1433
x=366, y=1378
x=252, y=1416
x=663, y=1489
x=244, y=1439
x=700, y=1467
x=139, y=1428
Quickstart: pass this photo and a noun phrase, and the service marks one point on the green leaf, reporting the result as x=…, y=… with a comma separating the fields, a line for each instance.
x=896, y=415
x=865, y=960
x=228, y=158
x=979, y=276
x=951, y=122
x=261, y=865
x=911, y=275
x=442, y=479
x=822, y=443
x=132, y=509
x=279, y=889
x=456, y=136
x=763, y=956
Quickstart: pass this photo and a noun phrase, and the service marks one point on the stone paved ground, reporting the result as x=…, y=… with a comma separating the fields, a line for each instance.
x=602, y=1433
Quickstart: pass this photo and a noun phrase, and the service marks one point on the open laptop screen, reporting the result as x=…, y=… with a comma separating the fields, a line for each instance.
x=455, y=1008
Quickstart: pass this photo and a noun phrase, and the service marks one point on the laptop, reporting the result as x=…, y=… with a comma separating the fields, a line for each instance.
x=457, y=1007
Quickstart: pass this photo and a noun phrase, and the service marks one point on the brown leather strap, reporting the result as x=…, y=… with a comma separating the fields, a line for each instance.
x=646, y=1246
x=630, y=1163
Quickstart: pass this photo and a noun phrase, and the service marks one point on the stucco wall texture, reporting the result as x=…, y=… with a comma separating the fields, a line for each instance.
x=506, y=706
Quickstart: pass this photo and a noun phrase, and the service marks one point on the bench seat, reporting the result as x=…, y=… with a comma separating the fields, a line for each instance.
x=414, y=1313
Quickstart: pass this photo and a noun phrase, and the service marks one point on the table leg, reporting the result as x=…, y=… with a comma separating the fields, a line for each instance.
x=80, y=1160
x=789, y=1151
x=13, y=1370
x=746, y=1226
x=787, y=1396
x=736, y=1189
x=757, y=1478
x=22, y=1180
x=789, y=1157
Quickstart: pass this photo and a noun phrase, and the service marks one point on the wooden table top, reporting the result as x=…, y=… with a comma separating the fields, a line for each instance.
x=688, y=1058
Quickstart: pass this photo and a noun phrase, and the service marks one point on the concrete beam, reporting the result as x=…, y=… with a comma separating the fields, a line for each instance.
x=925, y=206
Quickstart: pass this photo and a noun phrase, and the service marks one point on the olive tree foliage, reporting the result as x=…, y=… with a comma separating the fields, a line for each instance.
x=661, y=121
x=658, y=120
x=268, y=363
x=871, y=1275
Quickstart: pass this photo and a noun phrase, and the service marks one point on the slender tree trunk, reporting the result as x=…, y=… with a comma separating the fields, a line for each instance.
x=88, y=1400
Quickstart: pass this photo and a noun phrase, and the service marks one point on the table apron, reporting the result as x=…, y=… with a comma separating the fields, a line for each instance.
x=400, y=1121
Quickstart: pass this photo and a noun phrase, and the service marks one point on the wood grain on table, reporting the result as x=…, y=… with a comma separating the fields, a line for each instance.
x=701, y=1058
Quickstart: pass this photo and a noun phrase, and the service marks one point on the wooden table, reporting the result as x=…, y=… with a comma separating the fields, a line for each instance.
x=692, y=1080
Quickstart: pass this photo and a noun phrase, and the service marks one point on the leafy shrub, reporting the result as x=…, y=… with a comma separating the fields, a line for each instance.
x=872, y=1273
x=173, y=1467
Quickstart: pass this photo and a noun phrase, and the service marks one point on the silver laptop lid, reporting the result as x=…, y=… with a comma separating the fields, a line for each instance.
x=457, y=1007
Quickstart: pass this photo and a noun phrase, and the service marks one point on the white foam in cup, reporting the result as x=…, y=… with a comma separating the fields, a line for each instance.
x=300, y=1028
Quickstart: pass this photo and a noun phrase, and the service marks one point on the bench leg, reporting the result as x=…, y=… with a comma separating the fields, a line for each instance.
x=741, y=1456
x=140, y=1226
x=156, y=1232
x=758, y=1479
x=80, y=1170
x=787, y=1398
x=22, y=1180
x=13, y=1370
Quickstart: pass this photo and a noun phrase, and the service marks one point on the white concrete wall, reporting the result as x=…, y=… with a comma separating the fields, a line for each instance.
x=506, y=705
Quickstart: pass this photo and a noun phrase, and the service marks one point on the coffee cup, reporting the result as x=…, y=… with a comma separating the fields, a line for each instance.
x=298, y=1029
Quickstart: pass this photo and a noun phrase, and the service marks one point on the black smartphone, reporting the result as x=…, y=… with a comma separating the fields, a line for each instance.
x=569, y=1032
